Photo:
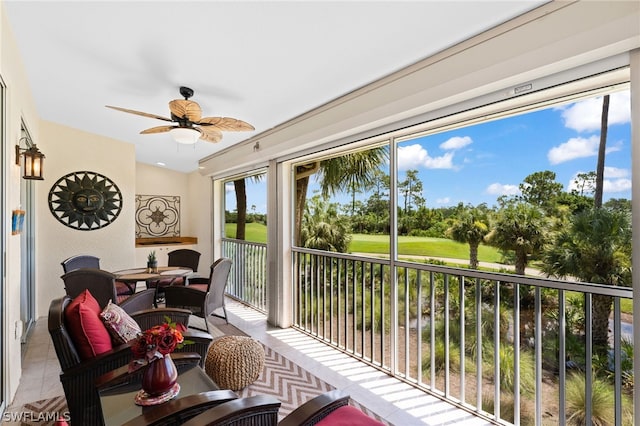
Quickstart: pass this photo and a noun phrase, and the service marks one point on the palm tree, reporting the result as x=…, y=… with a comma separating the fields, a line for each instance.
x=350, y=172
x=596, y=248
x=241, y=208
x=240, y=188
x=520, y=227
x=471, y=226
x=604, y=121
x=323, y=228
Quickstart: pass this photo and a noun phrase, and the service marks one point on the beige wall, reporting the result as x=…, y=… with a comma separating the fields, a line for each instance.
x=193, y=190
x=74, y=150
x=200, y=217
x=71, y=150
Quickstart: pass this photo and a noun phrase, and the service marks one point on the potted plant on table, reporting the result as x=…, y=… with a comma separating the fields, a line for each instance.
x=152, y=262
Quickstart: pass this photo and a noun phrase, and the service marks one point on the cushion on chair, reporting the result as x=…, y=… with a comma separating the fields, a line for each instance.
x=201, y=287
x=119, y=324
x=88, y=333
x=164, y=282
x=122, y=288
x=348, y=416
x=122, y=298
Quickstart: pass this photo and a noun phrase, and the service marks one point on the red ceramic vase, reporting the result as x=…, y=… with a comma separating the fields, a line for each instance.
x=159, y=376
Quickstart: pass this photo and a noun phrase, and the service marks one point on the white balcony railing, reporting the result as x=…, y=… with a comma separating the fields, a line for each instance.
x=248, y=276
x=508, y=348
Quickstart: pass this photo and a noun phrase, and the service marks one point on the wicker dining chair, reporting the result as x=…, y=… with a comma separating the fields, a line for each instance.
x=186, y=258
x=202, y=296
x=80, y=261
x=103, y=286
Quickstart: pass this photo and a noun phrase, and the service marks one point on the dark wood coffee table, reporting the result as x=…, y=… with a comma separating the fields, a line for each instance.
x=197, y=393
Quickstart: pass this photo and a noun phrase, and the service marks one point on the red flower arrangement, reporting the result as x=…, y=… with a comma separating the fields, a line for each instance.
x=157, y=342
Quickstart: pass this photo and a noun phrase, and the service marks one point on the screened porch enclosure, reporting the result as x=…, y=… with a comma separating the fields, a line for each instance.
x=400, y=253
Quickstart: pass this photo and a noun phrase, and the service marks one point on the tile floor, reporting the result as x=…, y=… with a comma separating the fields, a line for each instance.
x=395, y=401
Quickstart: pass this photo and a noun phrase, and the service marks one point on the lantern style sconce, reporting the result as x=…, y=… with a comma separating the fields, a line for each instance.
x=33, y=160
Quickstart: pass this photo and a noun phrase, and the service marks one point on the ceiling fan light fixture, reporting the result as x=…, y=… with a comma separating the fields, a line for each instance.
x=185, y=135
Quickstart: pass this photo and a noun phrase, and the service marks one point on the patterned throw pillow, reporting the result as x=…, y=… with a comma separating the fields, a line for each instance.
x=120, y=325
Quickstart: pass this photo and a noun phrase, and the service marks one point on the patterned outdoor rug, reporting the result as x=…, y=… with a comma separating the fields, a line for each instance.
x=38, y=413
x=290, y=383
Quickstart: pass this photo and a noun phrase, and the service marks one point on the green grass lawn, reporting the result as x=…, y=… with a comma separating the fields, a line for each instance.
x=421, y=246
x=254, y=232
x=408, y=246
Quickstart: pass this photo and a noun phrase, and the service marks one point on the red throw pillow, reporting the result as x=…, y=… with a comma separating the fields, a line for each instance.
x=348, y=416
x=88, y=333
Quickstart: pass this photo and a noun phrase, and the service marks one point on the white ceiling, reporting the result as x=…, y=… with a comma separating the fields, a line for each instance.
x=264, y=62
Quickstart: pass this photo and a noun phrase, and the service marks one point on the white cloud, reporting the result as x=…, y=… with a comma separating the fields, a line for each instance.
x=574, y=148
x=616, y=185
x=615, y=172
x=585, y=116
x=412, y=156
x=444, y=200
x=228, y=187
x=502, y=189
x=456, y=142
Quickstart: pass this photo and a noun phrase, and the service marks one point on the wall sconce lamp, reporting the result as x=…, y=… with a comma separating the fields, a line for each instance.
x=33, y=159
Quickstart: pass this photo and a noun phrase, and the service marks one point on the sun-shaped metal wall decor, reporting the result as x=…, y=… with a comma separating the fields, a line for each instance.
x=85, y=200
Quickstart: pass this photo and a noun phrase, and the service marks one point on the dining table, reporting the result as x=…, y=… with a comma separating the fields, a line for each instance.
x=131, y=277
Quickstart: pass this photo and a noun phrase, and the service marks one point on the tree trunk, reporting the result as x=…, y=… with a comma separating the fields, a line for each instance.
x=521, y=262
x=473, y=255
x=601, y=312
x=241, y=207
x=601, y=304
x=301, y=198
x=604, y=121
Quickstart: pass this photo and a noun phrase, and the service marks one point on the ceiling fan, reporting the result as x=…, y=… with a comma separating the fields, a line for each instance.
x=190, y=125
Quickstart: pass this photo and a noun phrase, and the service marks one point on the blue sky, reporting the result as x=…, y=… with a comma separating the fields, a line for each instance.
x=479, y=163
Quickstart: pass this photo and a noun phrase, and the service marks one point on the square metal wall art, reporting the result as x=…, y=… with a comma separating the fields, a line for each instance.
x=157, y=216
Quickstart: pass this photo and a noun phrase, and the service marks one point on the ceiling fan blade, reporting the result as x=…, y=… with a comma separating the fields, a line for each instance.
x=183, y=108
x=226, y=124
x=158, y=129
x=144, y=114
x=210, y=134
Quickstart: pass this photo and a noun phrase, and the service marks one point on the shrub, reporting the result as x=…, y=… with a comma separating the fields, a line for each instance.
x=602, y=402
x=507, y=368
x=439, y=362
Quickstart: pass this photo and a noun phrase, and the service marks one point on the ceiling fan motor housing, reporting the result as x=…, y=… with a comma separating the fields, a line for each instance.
x=186, y=92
